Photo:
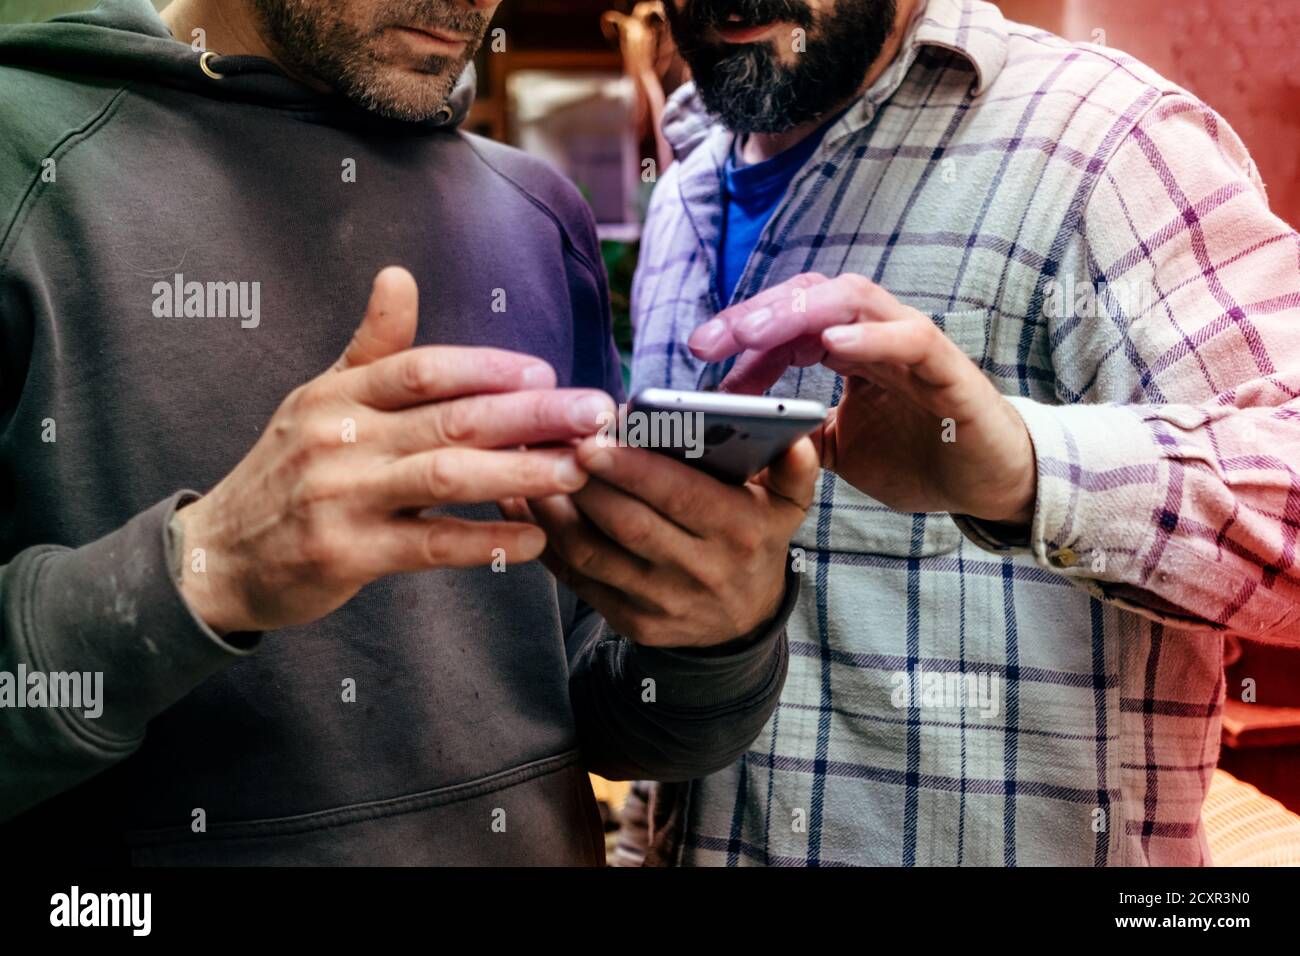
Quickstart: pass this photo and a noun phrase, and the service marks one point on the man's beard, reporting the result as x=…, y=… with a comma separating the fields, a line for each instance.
x=314, y=39
x=750, y=88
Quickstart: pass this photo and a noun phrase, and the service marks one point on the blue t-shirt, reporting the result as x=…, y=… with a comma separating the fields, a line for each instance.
x=750, y=194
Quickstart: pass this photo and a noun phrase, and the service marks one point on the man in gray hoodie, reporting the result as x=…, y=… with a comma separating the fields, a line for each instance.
x=192, y=208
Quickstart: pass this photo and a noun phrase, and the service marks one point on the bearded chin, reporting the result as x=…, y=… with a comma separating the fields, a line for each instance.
x=400, y=97
x=751, y=93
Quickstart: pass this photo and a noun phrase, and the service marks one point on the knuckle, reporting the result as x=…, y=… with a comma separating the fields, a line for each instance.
x=713, y=576
x=747, y=536
x=441, y=478
x=282, y=427
x=311, y=489
x=923, y=331
x=538, y=471
x=293, y=400
x=683, y=504
x=528, y=414
x=435, y=548
x=582, y=557
x=632, y=530
x=453, y=424
x=857, y=284
x=660, y=603
x=409, y=374
x=551, y=408
x=322, y=552
x=318, y=434
x=746, y=543
x=301, y=400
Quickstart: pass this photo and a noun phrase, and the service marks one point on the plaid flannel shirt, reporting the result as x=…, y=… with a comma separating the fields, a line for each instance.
x=1098, y=241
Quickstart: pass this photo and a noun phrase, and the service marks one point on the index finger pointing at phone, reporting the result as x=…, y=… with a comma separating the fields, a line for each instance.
x=800, y=312
x=714, y=340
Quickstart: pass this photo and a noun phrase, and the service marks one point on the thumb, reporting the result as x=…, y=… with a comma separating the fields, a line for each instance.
x=794, y=475
x=390, y=320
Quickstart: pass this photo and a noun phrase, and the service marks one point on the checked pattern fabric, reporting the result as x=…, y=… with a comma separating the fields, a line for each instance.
x=1098, y=241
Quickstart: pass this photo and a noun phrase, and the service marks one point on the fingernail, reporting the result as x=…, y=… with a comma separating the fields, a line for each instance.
x=708, y=335
x=585, y=413
x=838, y=335
x=599, y=461
x=568, y=474
x=536, y=376
x=755, y=323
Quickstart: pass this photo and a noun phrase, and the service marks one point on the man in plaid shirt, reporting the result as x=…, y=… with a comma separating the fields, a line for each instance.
x=1061, y=330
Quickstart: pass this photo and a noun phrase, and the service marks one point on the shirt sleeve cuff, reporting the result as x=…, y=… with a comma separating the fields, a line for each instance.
x=1099, y=470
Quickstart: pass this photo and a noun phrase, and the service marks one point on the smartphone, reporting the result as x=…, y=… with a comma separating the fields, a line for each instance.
x=731, y=437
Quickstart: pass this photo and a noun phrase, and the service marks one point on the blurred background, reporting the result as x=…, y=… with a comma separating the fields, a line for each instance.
x=582, y=83
x=563, y=80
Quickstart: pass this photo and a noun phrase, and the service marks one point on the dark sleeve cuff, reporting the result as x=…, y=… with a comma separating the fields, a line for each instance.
x=724, y=677
x=114, y=606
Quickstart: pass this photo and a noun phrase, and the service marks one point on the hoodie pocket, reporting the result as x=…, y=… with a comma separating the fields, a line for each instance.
x=844, y=519
x=541, y=813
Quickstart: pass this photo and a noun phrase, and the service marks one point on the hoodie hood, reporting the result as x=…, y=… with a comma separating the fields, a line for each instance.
x=127, y=41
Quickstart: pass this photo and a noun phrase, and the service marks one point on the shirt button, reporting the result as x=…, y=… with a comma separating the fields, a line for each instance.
x=1063, y=558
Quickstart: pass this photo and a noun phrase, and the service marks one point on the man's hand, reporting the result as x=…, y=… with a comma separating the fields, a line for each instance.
x=330, y=497
x=668, y=555
x=919, y=427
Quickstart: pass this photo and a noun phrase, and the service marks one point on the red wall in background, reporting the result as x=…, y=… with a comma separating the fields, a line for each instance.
x=1242, y=57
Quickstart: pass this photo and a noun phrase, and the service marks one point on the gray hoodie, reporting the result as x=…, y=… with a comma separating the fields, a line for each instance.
x=443, y=717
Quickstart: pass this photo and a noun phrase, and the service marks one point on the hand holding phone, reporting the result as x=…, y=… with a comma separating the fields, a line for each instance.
x=667, y=554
